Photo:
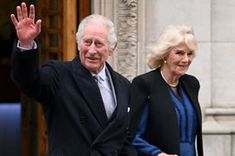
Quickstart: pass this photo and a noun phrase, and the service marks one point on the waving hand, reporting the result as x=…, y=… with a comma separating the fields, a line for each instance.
x=26, y=28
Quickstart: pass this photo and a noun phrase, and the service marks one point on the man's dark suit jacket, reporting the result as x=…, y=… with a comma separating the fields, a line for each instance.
x=73, y=107
x=162, y=127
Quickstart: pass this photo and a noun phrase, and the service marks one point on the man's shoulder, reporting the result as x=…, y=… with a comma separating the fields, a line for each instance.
x=58, y=64
x=120, y=77
x=117, y=75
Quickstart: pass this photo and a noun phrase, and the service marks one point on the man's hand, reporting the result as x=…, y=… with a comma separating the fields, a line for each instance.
x=26, y=28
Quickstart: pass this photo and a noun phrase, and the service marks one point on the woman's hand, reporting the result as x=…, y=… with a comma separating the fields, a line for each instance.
x=26, y=28
x=164, y=154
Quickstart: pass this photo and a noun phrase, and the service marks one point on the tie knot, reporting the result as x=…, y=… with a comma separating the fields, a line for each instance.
x=98, y=78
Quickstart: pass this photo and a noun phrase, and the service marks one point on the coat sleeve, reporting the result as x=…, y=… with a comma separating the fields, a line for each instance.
x=138, y=96
x=35, y=82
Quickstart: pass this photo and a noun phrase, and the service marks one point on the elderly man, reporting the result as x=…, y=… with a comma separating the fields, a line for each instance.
x=85, y=102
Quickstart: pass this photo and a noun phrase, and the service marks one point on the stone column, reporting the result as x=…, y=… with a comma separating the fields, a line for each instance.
x=129, y=58
x=219, y=126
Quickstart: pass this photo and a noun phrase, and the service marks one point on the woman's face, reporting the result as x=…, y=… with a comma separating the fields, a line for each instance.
x=179, y=59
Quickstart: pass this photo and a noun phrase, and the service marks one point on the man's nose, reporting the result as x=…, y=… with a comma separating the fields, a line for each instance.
x=92, y=48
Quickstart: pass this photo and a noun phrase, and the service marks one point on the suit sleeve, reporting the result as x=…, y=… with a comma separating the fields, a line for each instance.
x=33, y=81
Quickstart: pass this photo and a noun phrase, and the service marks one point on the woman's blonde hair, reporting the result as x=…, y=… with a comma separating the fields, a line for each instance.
x=170, y=38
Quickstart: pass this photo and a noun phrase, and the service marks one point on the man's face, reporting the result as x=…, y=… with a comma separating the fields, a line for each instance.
x=93, y=48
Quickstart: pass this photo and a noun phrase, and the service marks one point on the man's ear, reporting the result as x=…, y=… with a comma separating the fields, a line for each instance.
x=113, y=48
x=78, y=47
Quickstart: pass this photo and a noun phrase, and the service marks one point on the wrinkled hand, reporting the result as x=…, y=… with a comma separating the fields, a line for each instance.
x=26, y=28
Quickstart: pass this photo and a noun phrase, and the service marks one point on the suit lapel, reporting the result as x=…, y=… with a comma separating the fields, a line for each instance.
x=161, y=92
x=119, y=92
x=121, y=109
x=90, y=91
x=192, y=95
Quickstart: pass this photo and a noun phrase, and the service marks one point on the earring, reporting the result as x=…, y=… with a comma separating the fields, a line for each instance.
x=164, y=61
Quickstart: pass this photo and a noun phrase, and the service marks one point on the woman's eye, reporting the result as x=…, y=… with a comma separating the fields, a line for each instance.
x=180, y=52
x=190, y=53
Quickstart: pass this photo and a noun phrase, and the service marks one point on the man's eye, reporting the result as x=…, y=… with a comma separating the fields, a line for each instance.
x=99, y=44
x=87, y=42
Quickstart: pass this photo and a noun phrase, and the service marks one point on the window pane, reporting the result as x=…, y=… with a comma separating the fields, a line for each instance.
x=53, y=40
x=53, y=22
x=54, y=5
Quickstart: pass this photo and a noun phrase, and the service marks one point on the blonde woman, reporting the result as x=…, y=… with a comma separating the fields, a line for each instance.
x=166, y=115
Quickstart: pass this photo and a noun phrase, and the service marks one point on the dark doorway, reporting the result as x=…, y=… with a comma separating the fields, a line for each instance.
x=8, y=91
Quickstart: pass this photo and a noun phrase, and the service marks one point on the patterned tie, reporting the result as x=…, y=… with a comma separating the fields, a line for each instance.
x=107, y=95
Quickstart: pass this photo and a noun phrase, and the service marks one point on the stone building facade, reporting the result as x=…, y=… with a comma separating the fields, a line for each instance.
x=139, y=23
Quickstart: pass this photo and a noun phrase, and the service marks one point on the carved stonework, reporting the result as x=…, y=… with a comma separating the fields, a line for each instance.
x=126, y=62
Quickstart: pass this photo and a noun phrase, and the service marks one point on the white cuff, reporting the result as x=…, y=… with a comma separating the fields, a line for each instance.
x=21, y=48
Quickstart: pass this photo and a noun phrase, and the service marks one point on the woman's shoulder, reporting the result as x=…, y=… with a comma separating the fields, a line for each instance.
x=145, y=81
x=189, y=77
x=148, y=76
x=191, y=80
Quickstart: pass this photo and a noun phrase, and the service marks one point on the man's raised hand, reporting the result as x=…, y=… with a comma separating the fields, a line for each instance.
x=26, y=28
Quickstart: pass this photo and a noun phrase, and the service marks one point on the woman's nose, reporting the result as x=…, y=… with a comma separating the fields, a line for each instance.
x=186, y=58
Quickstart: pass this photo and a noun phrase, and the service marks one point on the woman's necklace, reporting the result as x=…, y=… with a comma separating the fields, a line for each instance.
x=173, y=85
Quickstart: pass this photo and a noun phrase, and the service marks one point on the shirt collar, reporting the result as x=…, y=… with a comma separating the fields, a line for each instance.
x=102, y=73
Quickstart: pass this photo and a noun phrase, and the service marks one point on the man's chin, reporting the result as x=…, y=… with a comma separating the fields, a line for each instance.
x=91, y=68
